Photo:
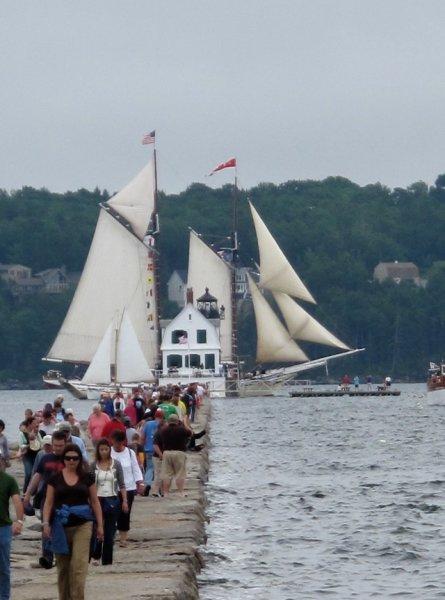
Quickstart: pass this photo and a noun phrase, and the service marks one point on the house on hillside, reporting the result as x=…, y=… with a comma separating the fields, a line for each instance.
x=177, y=287
x=398, y=272
x=14, y=273
x=241, y=285
x=54, y=280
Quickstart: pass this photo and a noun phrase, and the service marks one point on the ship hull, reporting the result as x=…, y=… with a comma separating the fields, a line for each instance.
x=436, y=397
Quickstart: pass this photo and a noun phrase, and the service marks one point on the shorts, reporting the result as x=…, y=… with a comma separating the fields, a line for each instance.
x=173, y=464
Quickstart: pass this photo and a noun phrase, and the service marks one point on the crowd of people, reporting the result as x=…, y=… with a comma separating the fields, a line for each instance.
x=82, y=479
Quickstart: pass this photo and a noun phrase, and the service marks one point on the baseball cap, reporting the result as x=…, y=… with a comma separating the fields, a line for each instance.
x=173, y=418
x=47, y=439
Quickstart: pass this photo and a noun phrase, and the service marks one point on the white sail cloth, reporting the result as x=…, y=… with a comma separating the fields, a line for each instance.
x=99, y=369
x=113, y=279
x=274, y=344
x=276, y=273
x=135, y=202
x=207, y=270
x=131, y=364
x=302, y=326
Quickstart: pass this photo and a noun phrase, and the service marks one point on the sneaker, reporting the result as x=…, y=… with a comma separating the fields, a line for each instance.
x=45, y=563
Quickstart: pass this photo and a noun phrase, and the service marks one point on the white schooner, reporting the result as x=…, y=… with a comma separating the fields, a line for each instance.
x=112, y=324
x=275, y=341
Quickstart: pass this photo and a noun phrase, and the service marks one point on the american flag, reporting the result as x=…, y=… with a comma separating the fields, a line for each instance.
x=149, y=138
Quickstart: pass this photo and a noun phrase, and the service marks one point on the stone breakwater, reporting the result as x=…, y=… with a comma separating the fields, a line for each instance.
x=162, y=559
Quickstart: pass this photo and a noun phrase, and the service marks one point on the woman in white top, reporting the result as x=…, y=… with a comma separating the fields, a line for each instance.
x=112, y=494
x=132, y=477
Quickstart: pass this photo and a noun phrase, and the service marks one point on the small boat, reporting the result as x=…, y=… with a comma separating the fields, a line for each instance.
x=436, y=384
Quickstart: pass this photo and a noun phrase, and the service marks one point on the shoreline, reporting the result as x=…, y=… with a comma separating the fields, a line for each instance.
x=162, y=560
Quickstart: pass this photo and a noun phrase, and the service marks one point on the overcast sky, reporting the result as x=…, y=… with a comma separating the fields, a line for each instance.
x=295, y=89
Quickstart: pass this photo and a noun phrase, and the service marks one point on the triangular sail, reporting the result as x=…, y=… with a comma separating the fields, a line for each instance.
x=135, y=202
x=131, y=365
x=274, y=343
x=276, y=273
x=208, y=270
x=99, y=369
x=302, y=326
x=115, y=277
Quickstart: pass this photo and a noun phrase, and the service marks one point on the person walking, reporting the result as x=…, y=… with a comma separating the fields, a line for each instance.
x=147, y=436
x=49, y=465
x=96, y=423
x=133, y=481
x=157, y=456
x=30, y=443
x=9, y=490
x=4, y=446
x=70, y=507
x=174, y=437
x=109, y=478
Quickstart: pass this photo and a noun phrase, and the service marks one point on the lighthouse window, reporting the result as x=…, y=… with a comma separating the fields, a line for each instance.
x=174, y=360
x=201, y=336
x=179, y=336
x=210, y=361
x=194, y=360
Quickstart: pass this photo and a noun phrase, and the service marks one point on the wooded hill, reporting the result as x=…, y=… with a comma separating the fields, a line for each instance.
x=334, y=232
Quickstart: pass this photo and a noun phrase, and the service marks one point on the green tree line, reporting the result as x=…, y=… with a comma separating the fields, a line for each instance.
x=334, y=232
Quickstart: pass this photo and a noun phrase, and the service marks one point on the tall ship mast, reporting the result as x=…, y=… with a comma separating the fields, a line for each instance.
x=112, y=325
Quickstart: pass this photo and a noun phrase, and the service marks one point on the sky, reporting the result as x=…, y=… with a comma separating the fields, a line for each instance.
x=295, y=89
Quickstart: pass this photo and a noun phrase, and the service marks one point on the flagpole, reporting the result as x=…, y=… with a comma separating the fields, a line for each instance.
x=234, y=332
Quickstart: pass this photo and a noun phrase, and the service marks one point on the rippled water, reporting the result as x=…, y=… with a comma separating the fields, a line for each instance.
x=335, y=497
x=14, y=402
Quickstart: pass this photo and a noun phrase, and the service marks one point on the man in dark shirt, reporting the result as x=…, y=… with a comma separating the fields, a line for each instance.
x=174, y=437
x=49, y=465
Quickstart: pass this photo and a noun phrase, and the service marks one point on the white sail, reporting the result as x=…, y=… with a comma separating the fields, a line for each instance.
x=207, y=269
x=135, y=202
x=276, y=273
x=99, y=369
x=115, y=277
x=274, y=343
x=302, y=326
x=131, y=365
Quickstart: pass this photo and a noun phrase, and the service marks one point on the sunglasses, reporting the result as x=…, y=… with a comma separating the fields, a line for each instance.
x=71, y=457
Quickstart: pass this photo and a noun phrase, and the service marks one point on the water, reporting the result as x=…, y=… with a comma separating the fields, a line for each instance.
x=326, y=497
x=14, y=402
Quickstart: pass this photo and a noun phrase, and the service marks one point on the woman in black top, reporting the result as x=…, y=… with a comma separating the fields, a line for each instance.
x=73, y=487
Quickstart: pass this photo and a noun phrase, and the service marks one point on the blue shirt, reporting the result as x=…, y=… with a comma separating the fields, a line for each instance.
x=149, y=431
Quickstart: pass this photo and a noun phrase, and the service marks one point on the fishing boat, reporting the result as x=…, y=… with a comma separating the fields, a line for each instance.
x=436, y=384
x=112, y=325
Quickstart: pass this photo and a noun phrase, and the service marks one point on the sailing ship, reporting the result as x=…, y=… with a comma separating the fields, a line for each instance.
x=276, y=342
x=112, y=325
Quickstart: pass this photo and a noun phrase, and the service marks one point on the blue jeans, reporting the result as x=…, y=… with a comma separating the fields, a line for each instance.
x=149, y=468
x=5, y=562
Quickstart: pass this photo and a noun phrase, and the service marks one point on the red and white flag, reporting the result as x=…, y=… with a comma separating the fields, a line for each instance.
x=225, y=165
x=149, y=138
